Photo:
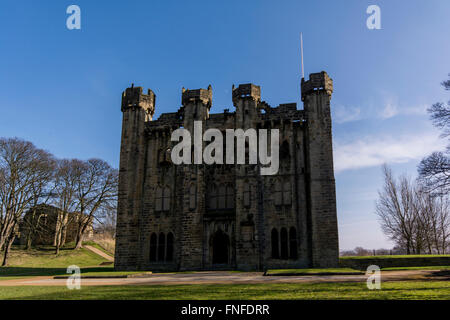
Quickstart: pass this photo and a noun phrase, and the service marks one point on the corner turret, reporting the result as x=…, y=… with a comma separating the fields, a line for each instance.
x=317, y=82
x=134, y=97
x=196, y=104
x=137, y=109
x=246, y=98
x=321, y=197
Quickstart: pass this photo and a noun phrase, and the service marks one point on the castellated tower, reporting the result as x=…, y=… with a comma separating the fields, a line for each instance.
x=322, y=220
x=250, y=233
x=196, y=105
x=137, y=108
x=227, y=216
x=246, y=98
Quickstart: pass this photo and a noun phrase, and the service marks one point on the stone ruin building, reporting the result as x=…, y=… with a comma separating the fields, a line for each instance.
x=208, y=217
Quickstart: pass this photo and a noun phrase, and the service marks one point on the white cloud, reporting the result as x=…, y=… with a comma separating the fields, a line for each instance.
x=390, y=110
x=344, y=114
x=386, y=110
x=376, y=150
x=393, y=108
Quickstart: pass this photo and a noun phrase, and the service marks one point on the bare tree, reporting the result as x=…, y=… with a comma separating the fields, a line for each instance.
x=42, y=194
x=435, y=169
x=106, y=220
x=24, y=169
x=413, y=216
x=441, y=224
x=440, y=112
x=395, y=210
x=360, y=251
x=67, y=175
x=96, y=190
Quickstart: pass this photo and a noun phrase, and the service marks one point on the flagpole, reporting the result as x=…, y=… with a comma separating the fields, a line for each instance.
x=301, y=49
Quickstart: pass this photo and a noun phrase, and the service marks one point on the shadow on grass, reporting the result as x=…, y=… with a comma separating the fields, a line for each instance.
x=26, y=271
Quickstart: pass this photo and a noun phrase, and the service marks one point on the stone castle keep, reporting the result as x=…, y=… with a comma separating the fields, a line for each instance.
x=204, y=217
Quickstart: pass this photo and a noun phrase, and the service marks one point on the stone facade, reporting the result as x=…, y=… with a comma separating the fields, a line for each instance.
x=202, y=217
x=40, y=223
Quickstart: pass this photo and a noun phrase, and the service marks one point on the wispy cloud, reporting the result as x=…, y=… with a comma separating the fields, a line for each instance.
x=376, y=150
x=344, y=114
x=390, y=110
x=393, y=108
x=390, y=107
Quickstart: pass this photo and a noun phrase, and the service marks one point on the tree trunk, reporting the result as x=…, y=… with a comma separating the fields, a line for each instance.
x=79, y=240
x=7, y=249
x=2, y=241
x=63, y=236
x=55, y=238
x=5, y=234
x=29, y=240
x=57, y=241
x=57, y=247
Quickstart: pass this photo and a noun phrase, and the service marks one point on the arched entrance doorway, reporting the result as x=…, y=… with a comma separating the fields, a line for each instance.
x=220, y=247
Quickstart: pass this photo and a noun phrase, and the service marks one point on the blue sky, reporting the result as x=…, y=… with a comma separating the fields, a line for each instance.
x=61, y=88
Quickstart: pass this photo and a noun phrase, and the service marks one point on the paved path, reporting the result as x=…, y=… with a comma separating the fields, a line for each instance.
x=99, y=252
x=223, y=277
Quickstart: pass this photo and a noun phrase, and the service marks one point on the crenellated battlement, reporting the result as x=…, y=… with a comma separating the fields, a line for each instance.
x=317, y=82
x=134, y=97
x=248, y=90
x=202, y=95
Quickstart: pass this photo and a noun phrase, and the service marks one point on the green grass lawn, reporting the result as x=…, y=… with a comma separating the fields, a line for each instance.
x=99, y=247
x=43, y=262
x=416, y=268
x=327, y=271
x=337, y=271
x=398, y=256
x=358, y=291
x=44, y=257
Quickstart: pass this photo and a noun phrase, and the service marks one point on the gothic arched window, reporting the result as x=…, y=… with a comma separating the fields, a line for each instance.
x=274, y=242
x=284, y=150
x=230, y=197
x=213, y=197
x=221, y=203
x=287, y=193
x=161, y=247
x=153, y=247
x=159, y=199
x=285, y=158
x=169, y=250
x=166, y=199
x=293, y=244
x=278, y=193
x=284, y=243
x=247, y=194
x=192, y=196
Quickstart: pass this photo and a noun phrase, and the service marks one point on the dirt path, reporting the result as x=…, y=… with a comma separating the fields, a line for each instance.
x=225, y=278
x=99, y=252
